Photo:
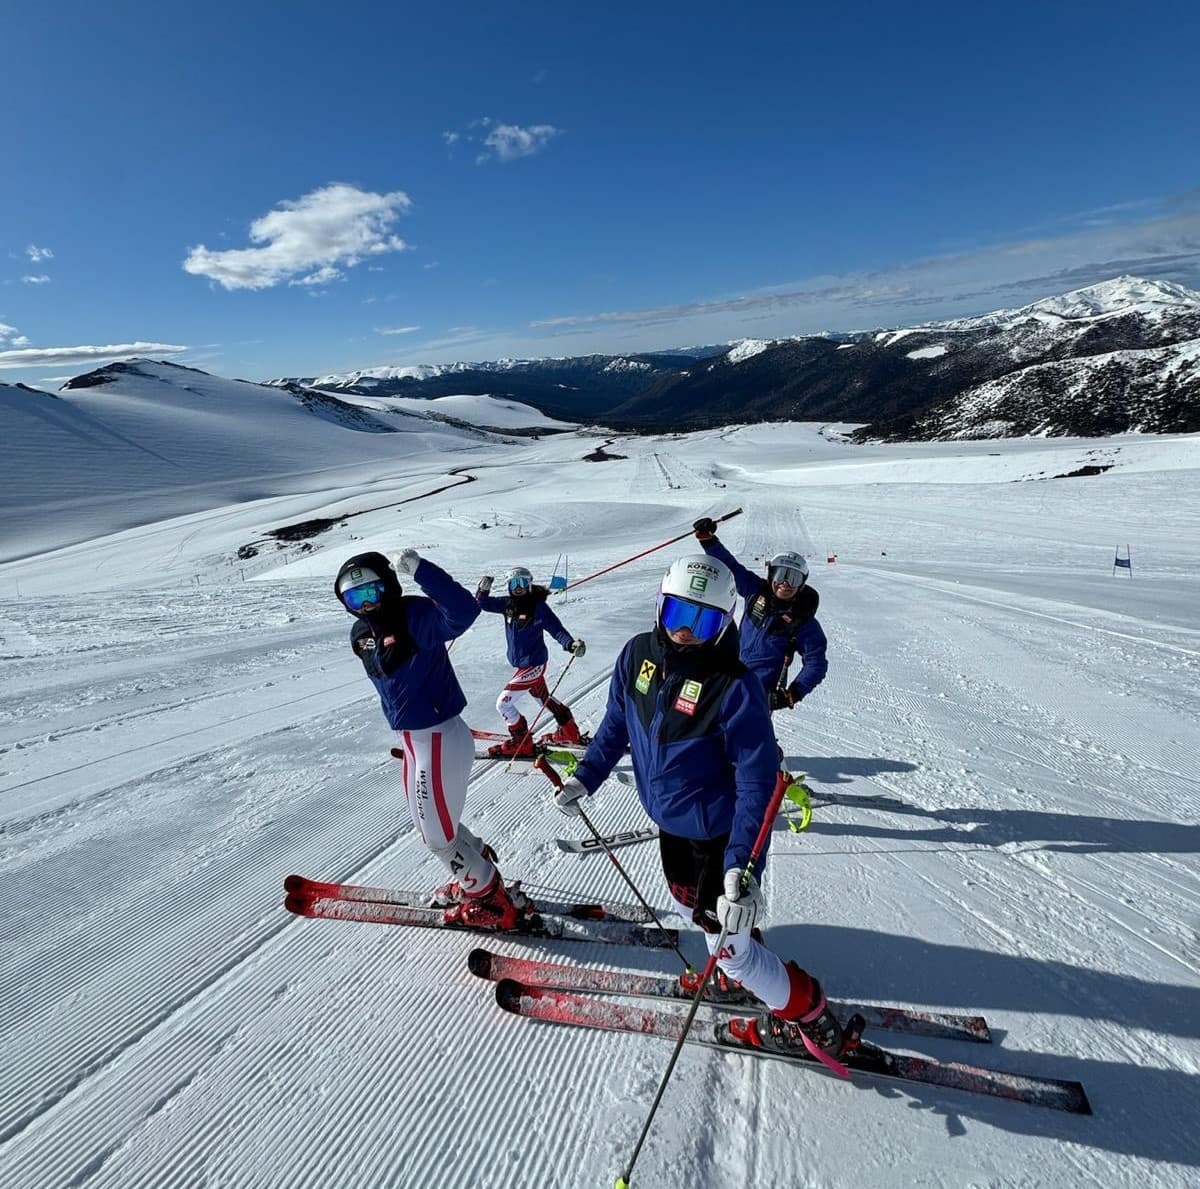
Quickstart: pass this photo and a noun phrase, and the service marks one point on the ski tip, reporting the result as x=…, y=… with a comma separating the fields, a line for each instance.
x=479, y=962
x=508, y=995
x=298, y=905
x=397, y=753
x=293, y=883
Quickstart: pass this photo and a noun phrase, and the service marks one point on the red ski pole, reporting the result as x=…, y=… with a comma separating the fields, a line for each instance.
x=652, y=549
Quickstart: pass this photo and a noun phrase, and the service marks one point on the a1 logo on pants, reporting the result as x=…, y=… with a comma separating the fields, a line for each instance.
x=689, y=695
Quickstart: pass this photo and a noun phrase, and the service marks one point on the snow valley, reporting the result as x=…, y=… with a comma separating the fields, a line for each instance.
x=1006, y=822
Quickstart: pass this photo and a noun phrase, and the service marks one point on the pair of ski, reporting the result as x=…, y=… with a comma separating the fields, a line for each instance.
x=579, y=996
x=565, y=920
x=584, y=998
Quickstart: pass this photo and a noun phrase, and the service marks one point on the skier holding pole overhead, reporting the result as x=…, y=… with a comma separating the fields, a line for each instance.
x=527, y=619
x=401, y=641
x=779, y=621
x=704, y=761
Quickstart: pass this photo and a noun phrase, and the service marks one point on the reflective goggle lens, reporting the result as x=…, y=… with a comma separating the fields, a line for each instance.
x=703, y=622
x=357, y=597
x=519, y=583
x=788, y=574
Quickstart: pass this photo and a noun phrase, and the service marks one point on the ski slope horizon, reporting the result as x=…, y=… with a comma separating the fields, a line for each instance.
x=1009, y=729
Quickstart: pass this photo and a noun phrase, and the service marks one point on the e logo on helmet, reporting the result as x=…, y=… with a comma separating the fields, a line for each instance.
x=698, y=583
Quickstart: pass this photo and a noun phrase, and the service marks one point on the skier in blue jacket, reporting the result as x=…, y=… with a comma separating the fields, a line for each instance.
x=527, y=620
x=779, y=621
x=704, y=760
x=401, y=641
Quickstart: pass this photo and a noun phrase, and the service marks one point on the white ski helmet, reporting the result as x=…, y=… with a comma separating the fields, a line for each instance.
x=519, y=580
x=355, y=576
x=697, y=593
x=789, y=567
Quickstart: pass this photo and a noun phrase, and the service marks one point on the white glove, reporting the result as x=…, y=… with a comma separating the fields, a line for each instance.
x=567, y=797
x=578, y=648
x=406, y=562
x=738, y=908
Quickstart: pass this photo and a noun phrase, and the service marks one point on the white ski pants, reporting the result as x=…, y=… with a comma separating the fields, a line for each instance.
x=437, y=765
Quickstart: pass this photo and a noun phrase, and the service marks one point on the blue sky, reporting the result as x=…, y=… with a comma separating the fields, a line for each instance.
x=293, y=189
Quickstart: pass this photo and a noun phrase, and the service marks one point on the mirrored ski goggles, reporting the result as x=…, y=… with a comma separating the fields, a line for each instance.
x=787, y=574
x=704, y=623
x=519, y=583
x=357, y=597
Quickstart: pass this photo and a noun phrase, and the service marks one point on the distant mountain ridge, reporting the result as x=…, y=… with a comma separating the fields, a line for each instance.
x=1119, y=356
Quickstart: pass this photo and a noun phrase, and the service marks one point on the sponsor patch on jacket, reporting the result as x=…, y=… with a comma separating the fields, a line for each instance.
x=689, y=695
x=645, y=676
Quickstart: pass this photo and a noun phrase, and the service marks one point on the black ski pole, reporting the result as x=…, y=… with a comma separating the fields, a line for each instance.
x=764, y=831
x=545, y=767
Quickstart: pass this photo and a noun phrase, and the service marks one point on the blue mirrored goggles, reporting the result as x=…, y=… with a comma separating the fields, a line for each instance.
x=705, y=623
x=518, y=584
x=357, y=597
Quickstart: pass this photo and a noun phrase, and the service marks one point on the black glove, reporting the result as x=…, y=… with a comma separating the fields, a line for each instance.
x=705, y=528
x=780, y=699
x=485, y=585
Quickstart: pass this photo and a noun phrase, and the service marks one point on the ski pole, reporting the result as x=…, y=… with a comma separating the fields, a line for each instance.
x=538, y=717
x=652, y=549
x=543, y=765
x=764, y=831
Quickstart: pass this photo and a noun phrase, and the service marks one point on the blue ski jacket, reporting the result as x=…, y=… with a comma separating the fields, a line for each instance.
x=772, y=632
x=402, y=645
x=699, y=734
x=525, y=621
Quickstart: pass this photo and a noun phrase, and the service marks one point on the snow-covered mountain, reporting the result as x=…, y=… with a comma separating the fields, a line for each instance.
x=141, y=441
x=1107, y=358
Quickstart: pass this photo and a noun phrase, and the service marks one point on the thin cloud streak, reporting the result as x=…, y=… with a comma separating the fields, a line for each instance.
x=68, y=356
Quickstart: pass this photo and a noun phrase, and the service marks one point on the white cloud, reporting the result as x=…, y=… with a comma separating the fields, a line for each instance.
x=35, y=253
x=397, y=330
x=503, y=142
x=508, y=142
x=321, y=277
x=336, y=225
x=68, y=356
x=38, y=280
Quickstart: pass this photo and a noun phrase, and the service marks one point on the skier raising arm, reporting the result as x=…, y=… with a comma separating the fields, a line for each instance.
x=401, y=640
x=704, y=762
x=779, y=621
x=527, y=620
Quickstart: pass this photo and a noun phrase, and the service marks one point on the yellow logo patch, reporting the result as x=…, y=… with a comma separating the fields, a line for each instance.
x=645, y=676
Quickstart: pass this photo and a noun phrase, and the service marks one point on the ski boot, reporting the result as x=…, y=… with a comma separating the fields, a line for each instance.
x=518, y=746
x=498, y=908
x=567, y=733
x=804, y=1025
x=721, y=988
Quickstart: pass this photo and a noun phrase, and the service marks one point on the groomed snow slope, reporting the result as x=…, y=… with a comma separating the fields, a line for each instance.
x=173, y=742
